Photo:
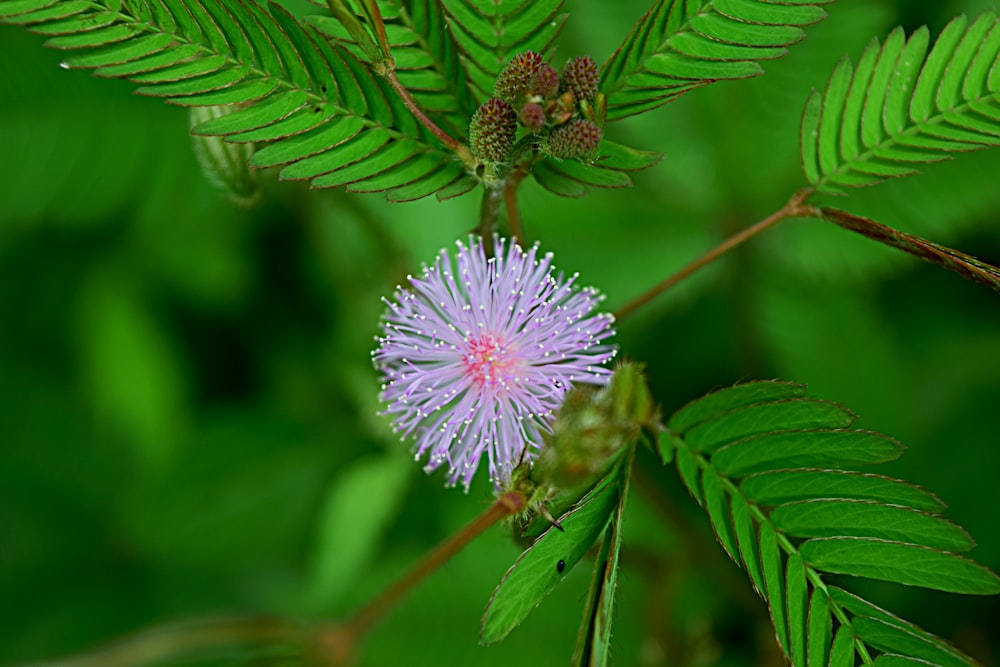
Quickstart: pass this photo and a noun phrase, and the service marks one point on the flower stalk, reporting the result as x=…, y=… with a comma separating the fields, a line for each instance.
x=795, y=208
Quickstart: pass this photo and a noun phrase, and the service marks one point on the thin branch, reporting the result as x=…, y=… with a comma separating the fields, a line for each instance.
x=794, y=208
x=510, y=203
x=964, y=265
x=457, y=147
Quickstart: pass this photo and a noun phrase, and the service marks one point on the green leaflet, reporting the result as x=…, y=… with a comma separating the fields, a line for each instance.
x=489, y=33
x=790, y=450
x=820, y=635
x=283, y=82
x=360, y=502
x=807, y=448
x=774, y=580
x=842, y=651
x=718, y=511
x=910, y=564
x=897, y=640
x=730, y=398
x=536, y=572
x=830, y=518
x=426, y=56
x=928, y=646
x=679, y=45
x=593, y=642
x=903, y=105
x=783, y=486
x=797, y=593
x=755, y=420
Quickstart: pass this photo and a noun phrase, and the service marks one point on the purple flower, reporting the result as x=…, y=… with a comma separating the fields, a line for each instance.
x=479, y=352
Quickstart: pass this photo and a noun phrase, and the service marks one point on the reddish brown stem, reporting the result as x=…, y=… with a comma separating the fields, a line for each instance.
x=794, y=208
x=964, y=265
x=460, y=149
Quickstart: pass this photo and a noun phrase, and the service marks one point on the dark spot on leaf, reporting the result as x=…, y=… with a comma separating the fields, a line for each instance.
x=316, y=109
x=323, y=88
x=560, y=566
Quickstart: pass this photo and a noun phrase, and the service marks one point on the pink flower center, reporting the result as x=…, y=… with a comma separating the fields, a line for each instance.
x=489, y=362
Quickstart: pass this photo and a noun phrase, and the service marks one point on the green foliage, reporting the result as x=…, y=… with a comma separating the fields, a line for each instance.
x=554, y=554
x=593, y=642
x=326, y=117
x=222, y=521
x=902, y=105
x=490, y=33
x=771, y=468
x=680, y=45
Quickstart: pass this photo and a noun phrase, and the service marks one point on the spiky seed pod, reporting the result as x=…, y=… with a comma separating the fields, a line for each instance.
x=532, y=116
x=492, y=130
x=544, y=82
x=515, y=79
x=578, y=138
x=581, y=77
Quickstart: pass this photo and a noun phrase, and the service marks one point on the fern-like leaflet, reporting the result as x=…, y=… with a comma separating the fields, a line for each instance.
x=325, y=116
x=774, y=470
x=680, y=45
x=900, y=105
x=490, y=32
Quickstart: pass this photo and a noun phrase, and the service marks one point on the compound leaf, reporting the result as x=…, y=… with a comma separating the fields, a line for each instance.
x=680, y=45
x=318, y=105
x=775, y=479
x=903, y=105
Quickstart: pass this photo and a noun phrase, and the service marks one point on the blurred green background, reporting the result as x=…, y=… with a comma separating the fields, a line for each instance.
x=186, y=391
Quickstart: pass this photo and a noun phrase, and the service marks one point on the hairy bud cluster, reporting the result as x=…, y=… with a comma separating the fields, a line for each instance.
x=493, y=130
x=563, y=112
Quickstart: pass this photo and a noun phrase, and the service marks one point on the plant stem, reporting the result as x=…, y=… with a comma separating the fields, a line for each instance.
x=489, y=213
x=368, y=616
x=794, y=208
x=964, y=265
x=460, y=149
x=510, y=203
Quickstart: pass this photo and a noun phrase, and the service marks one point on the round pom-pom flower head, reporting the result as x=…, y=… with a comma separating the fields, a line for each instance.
x=479, y=353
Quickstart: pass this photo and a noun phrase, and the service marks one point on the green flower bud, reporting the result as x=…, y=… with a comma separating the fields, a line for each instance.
x=578, y=138
x=532, y=116
x=515, y=79
x=544, y=82
x=492, y=130
x=594, y=424
x=581, y=77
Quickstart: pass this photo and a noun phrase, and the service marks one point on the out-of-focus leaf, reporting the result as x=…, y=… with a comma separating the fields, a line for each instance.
x=360, y=503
